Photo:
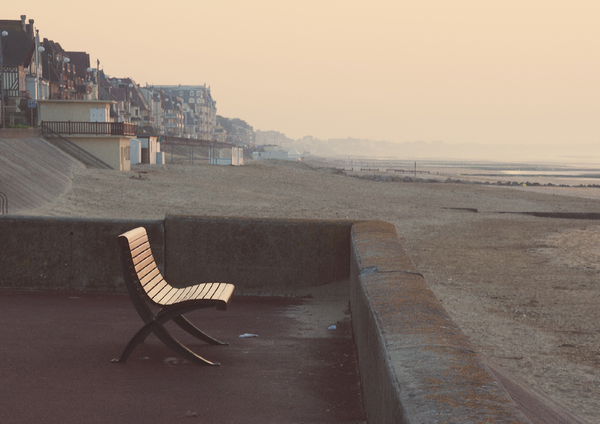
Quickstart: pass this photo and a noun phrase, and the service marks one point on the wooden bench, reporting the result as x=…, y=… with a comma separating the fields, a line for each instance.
x=145, y=284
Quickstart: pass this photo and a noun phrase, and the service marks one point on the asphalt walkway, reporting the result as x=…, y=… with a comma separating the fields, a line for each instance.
x=57, y=348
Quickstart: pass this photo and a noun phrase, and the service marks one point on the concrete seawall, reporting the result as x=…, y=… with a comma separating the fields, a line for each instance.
x=33, y=172
x=41, y=253
x=259, y=256
x=415, y=365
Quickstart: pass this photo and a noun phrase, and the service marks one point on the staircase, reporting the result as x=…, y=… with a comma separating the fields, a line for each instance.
x=72, y=149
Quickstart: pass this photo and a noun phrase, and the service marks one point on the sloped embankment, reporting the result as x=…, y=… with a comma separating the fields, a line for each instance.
x=33, y=172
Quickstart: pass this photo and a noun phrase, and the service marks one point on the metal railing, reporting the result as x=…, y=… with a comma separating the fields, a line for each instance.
x=89, y=128
x=22, y=94
x=75, y=151
x=3, y=204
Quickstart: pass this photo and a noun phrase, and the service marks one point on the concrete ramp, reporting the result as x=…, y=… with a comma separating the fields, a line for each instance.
x=33, y=172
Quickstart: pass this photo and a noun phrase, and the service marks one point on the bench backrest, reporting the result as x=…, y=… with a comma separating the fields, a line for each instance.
x=139, y=268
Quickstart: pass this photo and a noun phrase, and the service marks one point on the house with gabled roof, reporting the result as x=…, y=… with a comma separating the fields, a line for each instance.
x=152, y=121
x=83, y=76
x=130, y=104
x=17, y=52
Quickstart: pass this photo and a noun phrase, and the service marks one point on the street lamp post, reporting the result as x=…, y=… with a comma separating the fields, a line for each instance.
x=2, y=35
x=39, y=49
x=129, y=87
x=62, y=77
x=89, y=83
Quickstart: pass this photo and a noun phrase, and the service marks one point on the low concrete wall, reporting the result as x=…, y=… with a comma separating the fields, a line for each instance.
x=40, y=253
x=20, y=132
x=259, y=256
x=416, y=365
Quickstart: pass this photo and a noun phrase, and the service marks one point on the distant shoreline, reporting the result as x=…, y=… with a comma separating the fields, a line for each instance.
x=489, y=173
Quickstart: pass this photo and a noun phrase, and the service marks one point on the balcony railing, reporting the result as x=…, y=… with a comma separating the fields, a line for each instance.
x=17, y=93
x=88, y=128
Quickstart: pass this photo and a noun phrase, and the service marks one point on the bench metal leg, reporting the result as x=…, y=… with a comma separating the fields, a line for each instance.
x=195, y=331
x=138, y=338
x=180, y=349
x=170, y=341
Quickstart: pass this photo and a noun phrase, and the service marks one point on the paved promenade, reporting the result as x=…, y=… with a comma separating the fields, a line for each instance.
x=57, y=348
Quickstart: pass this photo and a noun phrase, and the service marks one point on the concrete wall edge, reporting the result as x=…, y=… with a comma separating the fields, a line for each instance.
x=415, y=365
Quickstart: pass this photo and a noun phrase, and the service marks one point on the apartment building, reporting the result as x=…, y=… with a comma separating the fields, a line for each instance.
x=197, y=106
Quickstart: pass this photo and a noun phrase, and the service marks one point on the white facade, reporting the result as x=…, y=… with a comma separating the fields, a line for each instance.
x=237, y=156
x=75, y=110
x=278, y=154
x=135, y=153
x=294, y=155
x=226, y=156
x=149, y=147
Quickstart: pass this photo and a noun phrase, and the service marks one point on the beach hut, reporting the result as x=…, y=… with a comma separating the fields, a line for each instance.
x=293, y=155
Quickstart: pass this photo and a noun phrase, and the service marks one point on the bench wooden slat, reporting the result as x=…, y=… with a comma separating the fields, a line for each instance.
x=225, y=296
x=155, y=291
x=143, y=263
x=212, y=291
x=198, y=293
x=151, y=284
x=166, y=296
x=141, y=253
x=134, y=244
x=219, y=291
x=204, y=289
x=194, y=292
x=146, y=270
x=144, y=280
x=183, y=294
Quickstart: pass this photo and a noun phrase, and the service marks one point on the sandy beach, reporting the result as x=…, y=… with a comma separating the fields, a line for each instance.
x=525, y=289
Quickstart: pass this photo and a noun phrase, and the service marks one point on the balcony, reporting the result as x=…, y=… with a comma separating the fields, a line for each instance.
x=88, y=128
x=10, y=93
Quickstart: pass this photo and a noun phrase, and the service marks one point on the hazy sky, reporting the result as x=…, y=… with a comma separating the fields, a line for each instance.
x=514, y=72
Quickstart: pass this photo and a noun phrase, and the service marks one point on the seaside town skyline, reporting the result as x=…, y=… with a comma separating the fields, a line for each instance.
x=427, y=73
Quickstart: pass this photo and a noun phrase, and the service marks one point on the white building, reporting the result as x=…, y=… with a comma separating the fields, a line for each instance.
x=294, y=155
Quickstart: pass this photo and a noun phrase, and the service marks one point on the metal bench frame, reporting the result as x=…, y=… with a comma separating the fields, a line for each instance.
x=145, y=284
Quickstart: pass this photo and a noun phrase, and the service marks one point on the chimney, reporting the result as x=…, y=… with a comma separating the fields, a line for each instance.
x=23, y=17
x=30, y=28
